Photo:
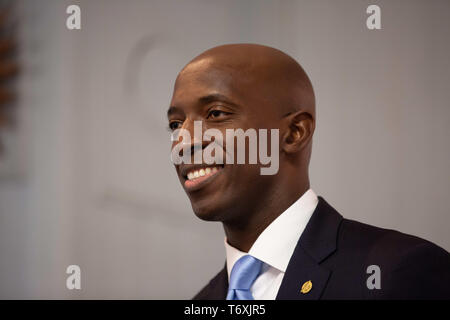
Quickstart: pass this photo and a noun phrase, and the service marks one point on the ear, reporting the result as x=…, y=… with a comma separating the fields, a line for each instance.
x=299, y=130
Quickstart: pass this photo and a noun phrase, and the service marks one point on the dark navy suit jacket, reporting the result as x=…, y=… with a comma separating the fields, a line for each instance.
x=334, y=253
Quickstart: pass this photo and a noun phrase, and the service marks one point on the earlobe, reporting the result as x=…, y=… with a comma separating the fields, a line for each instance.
x=299, y=128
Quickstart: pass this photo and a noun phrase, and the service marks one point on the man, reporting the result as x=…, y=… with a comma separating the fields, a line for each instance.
x=282, y=240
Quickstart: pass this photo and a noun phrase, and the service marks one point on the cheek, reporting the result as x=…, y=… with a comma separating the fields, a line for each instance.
x=245, y=176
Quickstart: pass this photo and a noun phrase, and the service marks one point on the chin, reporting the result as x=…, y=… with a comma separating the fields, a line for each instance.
x=206, y=213
x=210, y=210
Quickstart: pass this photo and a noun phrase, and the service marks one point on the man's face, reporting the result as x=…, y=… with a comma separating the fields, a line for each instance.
x=221, y=98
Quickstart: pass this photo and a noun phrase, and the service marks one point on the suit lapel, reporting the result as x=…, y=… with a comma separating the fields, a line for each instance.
x=219, y=286
x=317, y=242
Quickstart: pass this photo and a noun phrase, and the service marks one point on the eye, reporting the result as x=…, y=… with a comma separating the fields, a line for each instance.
x=174, y=125
x=216, y=114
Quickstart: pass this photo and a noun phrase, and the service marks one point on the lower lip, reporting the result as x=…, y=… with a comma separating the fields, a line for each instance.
x=191, y=184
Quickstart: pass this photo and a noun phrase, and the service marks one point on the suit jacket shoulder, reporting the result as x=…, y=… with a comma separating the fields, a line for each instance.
x=339, y=256
x=409, y=267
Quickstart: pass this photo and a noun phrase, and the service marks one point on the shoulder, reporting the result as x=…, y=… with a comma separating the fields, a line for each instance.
x=366, y=236
x=385, y=243
x=411, y=267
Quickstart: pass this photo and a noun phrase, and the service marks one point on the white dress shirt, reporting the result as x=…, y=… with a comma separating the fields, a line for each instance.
x=275, y=246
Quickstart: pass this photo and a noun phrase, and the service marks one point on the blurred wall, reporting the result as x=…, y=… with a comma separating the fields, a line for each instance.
x=98, y=189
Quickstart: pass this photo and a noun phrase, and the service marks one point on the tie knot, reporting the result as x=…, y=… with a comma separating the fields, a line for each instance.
x=244, y=272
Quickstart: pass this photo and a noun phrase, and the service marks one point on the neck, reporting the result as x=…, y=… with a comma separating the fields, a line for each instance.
x=242, y=234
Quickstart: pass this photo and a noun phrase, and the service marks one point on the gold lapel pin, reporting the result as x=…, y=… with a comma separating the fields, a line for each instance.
x=306, y=287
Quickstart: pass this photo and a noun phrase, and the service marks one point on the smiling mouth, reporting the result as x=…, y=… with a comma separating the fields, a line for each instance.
x=196, y=178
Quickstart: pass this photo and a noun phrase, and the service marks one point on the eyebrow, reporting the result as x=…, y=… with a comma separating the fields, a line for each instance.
x=172, y=110
x=215, y=97
x=204, y=100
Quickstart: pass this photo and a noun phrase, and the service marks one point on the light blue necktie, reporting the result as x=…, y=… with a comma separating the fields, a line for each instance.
x=243, y=274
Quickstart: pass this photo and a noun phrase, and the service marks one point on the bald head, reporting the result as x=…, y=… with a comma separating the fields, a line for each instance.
x=275, y=77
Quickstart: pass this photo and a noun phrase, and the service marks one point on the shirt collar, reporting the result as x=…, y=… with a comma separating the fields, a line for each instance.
x=276, y=244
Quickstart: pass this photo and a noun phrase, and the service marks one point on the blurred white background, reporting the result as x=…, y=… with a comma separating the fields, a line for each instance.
x=98, y=189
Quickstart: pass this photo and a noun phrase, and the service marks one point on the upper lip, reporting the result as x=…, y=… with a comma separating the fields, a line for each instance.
x=184, y=169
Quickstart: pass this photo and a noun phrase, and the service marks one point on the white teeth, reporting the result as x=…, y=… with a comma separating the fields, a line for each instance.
x=202, y=172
